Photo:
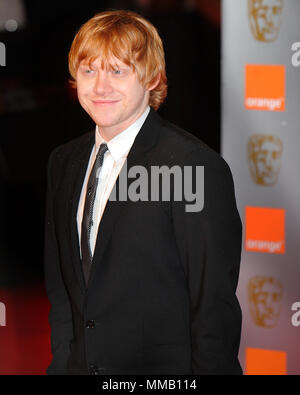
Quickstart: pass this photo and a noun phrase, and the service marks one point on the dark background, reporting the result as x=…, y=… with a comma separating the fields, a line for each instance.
x=38, y=111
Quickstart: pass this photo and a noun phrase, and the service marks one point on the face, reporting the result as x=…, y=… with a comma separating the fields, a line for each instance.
x=266, y=301
x=268, y=162
x=114, y=98
x=265, y=18
x=265, y=159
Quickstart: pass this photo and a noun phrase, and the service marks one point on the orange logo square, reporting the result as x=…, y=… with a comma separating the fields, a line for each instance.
x=265, y=230
x=265, y=362
x=265, y=87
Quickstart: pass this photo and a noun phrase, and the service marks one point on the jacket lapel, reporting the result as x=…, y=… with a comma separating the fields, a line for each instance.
x=79, y=166
x=144, y=140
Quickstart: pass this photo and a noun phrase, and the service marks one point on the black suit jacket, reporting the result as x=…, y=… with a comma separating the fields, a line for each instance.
x=161, y=295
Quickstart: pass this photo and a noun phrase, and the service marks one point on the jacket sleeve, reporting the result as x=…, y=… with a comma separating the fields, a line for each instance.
x=60, y=315
x=209, y=243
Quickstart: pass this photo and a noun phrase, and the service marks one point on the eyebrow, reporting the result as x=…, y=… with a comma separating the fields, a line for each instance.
x=85, y=63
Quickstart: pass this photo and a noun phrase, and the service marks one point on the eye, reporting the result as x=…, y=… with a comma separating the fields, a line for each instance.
x=261, y=12
x=117, y=71
x=86, y=69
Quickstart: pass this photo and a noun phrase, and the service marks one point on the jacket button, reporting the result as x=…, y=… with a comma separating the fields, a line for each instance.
x=90, y=324
x=93, y=370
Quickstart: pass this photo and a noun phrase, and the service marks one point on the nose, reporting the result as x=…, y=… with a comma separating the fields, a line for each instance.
x=102, y=85
x=269, y=17
x=269, y=160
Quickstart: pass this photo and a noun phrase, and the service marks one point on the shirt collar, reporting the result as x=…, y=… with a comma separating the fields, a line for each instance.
x=120, y=145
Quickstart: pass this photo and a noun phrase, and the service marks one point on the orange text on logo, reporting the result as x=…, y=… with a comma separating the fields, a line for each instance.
x=265, y=230
x=265, y=87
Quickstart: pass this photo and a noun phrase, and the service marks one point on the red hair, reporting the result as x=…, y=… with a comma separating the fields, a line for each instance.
x=130, y=38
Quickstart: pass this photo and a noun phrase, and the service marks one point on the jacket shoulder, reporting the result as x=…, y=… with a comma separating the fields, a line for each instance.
x=71, y=145
x=64, y=154
x=185, y=146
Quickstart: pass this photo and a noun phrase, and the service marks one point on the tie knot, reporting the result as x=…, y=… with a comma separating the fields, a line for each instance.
x=102, y=149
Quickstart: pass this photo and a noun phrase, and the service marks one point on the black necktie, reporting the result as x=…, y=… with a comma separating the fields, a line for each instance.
x=87, y=219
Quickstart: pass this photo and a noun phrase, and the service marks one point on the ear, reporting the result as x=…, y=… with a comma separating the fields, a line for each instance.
x=154, y=84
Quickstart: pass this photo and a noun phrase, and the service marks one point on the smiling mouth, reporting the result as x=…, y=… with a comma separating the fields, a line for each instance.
x=104, y=102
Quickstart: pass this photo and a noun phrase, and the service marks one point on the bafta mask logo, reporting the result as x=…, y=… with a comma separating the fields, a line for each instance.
x=265, y=18
x=264, y=158
x=265, y=295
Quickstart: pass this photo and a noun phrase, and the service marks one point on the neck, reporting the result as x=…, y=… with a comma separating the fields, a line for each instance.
x=110, y=132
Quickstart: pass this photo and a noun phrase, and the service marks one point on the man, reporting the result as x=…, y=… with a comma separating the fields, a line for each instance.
x=136, y=286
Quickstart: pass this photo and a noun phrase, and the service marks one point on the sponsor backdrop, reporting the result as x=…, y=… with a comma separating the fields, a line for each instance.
x=261, y=141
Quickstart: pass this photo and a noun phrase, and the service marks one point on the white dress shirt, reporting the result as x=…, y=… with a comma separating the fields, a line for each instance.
x=114, y=158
